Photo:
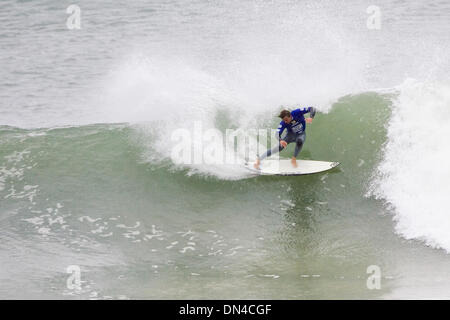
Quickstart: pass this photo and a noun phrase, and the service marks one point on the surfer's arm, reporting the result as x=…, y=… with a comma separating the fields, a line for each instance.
x=310, y=110
x=280, y=130
x=312, y=113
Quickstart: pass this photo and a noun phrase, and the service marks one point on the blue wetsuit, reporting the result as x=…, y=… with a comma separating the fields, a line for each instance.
x=295, y=131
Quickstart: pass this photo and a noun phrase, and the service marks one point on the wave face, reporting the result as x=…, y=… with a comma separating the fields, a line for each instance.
x=86, y=175
x=104, y=197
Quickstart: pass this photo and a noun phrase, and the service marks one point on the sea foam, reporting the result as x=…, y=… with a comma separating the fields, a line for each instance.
x=414, y=174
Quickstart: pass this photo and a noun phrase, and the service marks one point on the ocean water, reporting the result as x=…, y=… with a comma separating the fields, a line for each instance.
x=87, y=181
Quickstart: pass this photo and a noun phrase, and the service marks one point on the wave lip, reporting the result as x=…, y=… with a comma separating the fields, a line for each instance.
x=414, y=174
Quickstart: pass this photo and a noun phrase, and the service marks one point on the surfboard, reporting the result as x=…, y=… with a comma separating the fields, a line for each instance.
x=283, y=167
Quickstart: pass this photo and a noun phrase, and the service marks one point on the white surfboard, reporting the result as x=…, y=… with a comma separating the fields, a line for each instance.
x=284, y=167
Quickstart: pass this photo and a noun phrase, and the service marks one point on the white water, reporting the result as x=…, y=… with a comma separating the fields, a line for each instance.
x=414, y=176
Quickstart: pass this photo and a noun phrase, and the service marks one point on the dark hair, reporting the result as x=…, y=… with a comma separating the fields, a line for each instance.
x=284, y=113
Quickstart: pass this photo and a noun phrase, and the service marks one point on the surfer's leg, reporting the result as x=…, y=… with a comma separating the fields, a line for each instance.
x=299, y=141
x=266, y=154
x=269, y=152
x=290, y=137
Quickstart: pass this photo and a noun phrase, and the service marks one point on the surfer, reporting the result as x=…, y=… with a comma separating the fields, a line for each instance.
x=295, y=123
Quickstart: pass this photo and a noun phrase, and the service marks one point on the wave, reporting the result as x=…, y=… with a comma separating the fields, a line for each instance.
x=395, y=139
x=414, y=174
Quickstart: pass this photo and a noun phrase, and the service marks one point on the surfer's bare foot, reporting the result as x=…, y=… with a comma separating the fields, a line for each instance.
x=294, y=162
x=256, y=164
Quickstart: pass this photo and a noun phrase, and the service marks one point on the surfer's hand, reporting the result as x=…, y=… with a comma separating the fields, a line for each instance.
x=283, y=143
x=308, y=120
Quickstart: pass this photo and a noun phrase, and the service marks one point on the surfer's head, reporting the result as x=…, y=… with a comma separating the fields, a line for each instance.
x=285, y=115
